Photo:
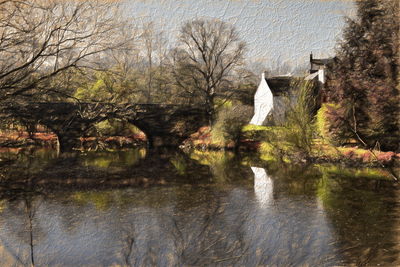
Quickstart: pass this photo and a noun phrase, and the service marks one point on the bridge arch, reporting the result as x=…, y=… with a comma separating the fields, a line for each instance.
x=164, y=125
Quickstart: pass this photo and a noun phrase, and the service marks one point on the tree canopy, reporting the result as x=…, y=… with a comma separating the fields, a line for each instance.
x=43, y=38
x=208, y=52
x=364, y=79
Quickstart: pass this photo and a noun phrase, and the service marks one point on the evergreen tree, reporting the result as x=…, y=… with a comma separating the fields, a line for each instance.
x=364, y=80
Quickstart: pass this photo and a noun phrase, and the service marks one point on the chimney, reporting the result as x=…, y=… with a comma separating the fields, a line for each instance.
x=263, y=76
x=311, y=64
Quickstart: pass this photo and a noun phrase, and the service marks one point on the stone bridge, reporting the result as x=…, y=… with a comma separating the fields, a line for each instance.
x=163, y=124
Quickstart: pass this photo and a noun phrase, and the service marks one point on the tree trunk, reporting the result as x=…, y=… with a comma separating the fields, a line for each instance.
x=210, y=112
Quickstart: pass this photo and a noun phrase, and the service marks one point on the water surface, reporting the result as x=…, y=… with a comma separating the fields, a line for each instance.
x=167, y=208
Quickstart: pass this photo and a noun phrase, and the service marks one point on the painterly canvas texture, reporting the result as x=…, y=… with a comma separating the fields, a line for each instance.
x=199, y=133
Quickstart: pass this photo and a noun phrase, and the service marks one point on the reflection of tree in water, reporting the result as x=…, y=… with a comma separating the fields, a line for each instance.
x=209, y=232
x=288, y=229
x=217, y=161
x=144, y=234
x=182, y=232
x=224, y=166
x=121, y=159
x=358, y=211
x=24, y=165
x=362, y=212
x=20, y=232
x=176, y=225
x=200, y=220
x=85, y=170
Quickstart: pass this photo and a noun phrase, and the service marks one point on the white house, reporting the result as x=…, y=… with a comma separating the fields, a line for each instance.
x=263, y=102
x=318, y=67
x=271, y=98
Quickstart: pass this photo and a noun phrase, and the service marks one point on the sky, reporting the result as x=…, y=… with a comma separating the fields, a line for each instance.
x=277, y=32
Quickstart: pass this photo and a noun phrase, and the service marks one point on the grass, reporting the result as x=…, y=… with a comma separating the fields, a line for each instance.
x=252, y=127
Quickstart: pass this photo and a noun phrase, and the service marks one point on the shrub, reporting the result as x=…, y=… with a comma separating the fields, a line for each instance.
x=116, y=127
x=299, y=126
x=229, y=123
x=293, y=141
x=330, y=124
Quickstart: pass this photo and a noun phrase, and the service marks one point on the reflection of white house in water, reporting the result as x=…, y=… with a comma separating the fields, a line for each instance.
x=263, y=186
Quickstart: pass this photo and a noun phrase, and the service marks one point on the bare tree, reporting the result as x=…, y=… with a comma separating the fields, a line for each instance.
x=207, y=54
x=155, y=51
x=148, y=39
x=40, y=39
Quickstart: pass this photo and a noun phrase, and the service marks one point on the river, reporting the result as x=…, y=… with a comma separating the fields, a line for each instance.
x=167, y=208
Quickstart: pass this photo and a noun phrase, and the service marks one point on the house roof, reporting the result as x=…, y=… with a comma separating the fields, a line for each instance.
x=321, y=61
x=311, y=76
x=280, y=84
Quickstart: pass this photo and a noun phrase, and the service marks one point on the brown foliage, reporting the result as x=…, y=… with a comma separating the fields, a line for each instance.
x=364, y=78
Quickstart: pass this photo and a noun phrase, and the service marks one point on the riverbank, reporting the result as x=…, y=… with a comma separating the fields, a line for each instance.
x=22, y=139
x=254, y=139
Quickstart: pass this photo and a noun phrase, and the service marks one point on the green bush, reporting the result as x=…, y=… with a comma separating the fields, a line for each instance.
x=299, y=127
x=294, y=139
x=229, y=122
x=115, y=127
